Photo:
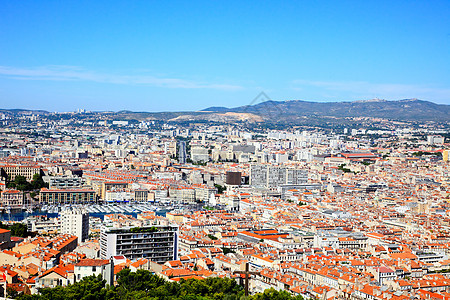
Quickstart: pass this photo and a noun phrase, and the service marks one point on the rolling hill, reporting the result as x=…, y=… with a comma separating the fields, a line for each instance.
x=406, y=110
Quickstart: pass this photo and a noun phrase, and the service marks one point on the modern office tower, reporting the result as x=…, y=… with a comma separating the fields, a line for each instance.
x=157, y=243
x=75, y=222
x=182, y=153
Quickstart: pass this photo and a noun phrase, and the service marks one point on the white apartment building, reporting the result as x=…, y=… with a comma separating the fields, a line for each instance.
x=275, y=176
x=264, y=176
x=258, y=175
x=95, y=267
x=435, y=140
x=199, y=154
x=75, y=222
x=296, y=176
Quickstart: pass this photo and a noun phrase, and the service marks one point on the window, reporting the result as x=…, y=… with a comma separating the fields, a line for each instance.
x=94, y=269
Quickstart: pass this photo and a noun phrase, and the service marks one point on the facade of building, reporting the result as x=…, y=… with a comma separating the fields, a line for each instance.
x=12, y=199
x=67, y=196
x=112, y=185
x=5, y=238
x=296, y=176
x=24, y=170
x=43, y=224
x=184, y=195
x=435, y=140
x=199, y=154
x=275, y=177
x=95, y=267
x=182, y=152
x=264, y=176
x=157, y=243
x=258, y=175
x=75, y=222
x=140, y=195
x=204, y=193
x=233, y=178
x=65, y=182
x=445, y=156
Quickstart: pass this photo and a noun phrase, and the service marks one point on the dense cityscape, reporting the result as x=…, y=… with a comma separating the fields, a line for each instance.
x=311, y=212
x=224, y=150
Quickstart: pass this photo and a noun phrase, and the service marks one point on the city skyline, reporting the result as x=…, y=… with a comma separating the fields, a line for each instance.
x=189, y=56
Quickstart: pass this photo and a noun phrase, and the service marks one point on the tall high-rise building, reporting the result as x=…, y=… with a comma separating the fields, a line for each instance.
x=75, y=222
x=182, y=153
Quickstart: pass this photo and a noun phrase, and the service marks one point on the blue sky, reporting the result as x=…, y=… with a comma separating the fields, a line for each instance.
x=189, y=55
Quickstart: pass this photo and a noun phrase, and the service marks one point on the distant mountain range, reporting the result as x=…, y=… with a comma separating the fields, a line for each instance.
x=408, y=109
x=294, y=112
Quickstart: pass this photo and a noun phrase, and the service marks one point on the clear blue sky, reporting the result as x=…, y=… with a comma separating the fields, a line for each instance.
x=189, y=55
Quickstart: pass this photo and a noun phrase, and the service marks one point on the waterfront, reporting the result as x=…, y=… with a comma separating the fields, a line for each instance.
x=22, y=215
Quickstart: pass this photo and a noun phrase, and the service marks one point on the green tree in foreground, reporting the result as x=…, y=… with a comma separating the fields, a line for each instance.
x=272, y=294
x=17, y=229
x=144, y=285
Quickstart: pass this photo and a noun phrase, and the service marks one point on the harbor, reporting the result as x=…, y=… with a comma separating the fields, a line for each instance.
x=94, y=210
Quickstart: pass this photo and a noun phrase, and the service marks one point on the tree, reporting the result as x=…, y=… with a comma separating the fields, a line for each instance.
x=17, y=229
x=227, y=250
x=220, y=189
x=37, y=182
x=21, y=183
x=144, y=285
x=11, y=292
x=272, y=294
x=89, y=288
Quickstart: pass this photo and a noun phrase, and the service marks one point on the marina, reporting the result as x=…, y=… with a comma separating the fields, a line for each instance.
x=94, y=210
